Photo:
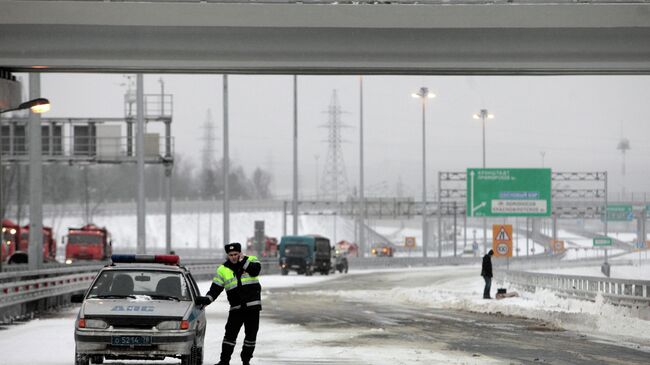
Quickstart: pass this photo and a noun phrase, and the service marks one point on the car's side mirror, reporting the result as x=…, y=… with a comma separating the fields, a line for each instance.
x=77, y=298
x=200, y=300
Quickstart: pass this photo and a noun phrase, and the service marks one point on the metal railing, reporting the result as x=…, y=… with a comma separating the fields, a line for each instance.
x=615, y=291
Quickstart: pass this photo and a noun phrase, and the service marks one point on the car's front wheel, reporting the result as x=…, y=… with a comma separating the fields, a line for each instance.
x=98, y=359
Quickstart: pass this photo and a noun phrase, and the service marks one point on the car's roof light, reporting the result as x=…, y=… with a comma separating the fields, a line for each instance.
x=155, y=259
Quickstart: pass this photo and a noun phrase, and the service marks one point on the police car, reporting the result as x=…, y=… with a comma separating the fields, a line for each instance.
x=141, y=307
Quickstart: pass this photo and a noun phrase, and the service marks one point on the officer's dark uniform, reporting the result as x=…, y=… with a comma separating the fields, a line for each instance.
x=243, y=289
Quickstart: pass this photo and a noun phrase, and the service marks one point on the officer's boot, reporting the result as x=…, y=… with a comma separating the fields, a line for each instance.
x=226, y=352
x=247, y=352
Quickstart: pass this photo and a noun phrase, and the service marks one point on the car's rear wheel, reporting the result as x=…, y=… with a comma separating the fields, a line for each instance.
x=194, y=358
x=98, y=359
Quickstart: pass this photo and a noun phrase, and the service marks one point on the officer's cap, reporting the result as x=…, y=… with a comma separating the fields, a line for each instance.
x=235, y=246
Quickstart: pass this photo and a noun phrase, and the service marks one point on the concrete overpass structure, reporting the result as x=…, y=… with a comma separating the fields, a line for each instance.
x=496, y=37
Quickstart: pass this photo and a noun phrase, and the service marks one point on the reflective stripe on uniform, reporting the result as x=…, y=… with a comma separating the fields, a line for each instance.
x=217, y=279
x=228, y=343
x=255, y=302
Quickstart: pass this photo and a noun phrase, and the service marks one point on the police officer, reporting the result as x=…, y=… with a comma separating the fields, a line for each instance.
x=239, y=277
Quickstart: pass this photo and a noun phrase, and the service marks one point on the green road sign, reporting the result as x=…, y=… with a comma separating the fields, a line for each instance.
x=602, y=241
x=620, y=213
x=508, y=192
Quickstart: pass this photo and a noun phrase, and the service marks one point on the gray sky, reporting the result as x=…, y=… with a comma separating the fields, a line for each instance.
x=576, y=120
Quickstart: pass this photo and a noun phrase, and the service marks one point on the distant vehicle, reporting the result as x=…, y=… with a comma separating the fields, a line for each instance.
x=305, y=254
x=10, y=236
x=382, y=250
x=339, y=261
x=88, y=243
x=270, y=247
x=16, y=239
x=141, y=307
x=352, y=249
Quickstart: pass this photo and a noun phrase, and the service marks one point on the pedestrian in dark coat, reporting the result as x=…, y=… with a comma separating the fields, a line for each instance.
x=486, y=273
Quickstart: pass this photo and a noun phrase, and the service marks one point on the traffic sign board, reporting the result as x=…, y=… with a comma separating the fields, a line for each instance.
x=409, y=242
x=502, y=240
x=557, y=246
x=620, y=213
x=508, y=192
x=602, y=241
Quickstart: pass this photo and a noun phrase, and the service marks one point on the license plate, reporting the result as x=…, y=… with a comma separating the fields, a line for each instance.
x=131, y=340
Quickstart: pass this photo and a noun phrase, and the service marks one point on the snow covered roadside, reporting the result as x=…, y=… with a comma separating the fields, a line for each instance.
x=464, y=292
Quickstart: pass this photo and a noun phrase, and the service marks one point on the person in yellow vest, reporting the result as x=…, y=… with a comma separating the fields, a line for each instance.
x=239, y=277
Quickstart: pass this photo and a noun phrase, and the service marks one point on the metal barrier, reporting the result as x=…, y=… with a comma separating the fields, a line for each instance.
x=633, y=293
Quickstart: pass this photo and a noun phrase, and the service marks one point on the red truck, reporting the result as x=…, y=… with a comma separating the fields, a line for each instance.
x=88, y=243
x=270, y=247
x=10, y=235
x=16, y=243
x=350, y=248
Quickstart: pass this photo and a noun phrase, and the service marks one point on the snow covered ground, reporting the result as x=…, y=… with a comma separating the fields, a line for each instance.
x=611, y=323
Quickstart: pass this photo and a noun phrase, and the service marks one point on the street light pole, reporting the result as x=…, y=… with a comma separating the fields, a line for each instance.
x=226, y=165
x=484, y=114
x=424, y=94
x=362, y=203
x=139, y=152
x=294, y=202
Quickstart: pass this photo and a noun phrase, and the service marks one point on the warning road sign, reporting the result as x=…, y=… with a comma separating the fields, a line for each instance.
x=409, y=242
x=502, y=240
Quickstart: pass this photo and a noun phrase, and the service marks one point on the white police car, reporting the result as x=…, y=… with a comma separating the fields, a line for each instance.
x=141, y=307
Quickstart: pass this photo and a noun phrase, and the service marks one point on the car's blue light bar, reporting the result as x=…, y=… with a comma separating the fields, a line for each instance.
x=155, y=259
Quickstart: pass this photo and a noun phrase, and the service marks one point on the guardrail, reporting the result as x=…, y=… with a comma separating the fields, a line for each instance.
x=631, y=293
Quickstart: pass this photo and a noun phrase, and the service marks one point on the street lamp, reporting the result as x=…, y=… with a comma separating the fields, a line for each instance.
x=484, y=114
x=39, y=105
x=424, y=94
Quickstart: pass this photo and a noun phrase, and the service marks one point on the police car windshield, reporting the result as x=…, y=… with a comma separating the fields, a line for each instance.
x=157, y=285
